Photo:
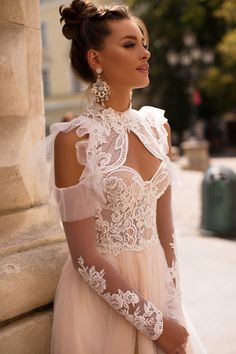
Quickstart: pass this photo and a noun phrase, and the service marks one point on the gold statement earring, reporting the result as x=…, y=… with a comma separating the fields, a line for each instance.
x=100, y=89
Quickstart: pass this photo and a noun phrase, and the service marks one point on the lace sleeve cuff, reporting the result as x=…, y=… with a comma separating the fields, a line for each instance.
x=145, y=317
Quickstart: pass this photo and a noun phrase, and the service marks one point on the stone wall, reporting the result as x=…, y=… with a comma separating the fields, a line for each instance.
x=32, y=248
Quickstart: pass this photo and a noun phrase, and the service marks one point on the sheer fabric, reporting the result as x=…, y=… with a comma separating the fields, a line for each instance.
x=111, y=220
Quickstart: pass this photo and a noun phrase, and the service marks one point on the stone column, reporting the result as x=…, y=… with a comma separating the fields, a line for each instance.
x=32, y=248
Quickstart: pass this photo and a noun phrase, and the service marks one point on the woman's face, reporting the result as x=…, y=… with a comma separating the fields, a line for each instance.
x=124, y=57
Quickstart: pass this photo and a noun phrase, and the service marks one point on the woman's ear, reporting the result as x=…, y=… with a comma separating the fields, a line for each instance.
x=93, y=58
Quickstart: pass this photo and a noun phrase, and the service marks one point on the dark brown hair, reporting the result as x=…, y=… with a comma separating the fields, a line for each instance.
x=87, y=26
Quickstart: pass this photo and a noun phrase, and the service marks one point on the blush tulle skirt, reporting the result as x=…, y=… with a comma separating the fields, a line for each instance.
x=83, y=323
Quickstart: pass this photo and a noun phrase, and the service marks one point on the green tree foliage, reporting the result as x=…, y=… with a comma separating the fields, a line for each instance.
x=213, y=24
x=219, y=83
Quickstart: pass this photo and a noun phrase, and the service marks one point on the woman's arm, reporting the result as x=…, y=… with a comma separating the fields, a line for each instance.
x=165, y=227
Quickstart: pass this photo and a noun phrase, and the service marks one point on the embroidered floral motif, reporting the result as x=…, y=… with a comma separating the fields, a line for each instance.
x=173, y=300
x=129, y=211
x=174, y=291
x=94, y=278
x=142, y=314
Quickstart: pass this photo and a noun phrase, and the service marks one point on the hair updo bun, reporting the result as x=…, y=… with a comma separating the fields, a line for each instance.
x=74, y=15
x=87, y=26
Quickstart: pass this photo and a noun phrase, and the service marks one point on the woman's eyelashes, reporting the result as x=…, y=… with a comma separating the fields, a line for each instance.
x=132, y=45
x=129, y=45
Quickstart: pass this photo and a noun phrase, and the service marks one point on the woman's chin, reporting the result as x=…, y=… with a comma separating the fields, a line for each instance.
x=143, y=84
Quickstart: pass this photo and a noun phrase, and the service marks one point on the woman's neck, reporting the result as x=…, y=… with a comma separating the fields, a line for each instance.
x=119, y=100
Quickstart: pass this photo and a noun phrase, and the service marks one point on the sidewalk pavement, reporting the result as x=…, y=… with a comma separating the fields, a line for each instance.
x=207, y=267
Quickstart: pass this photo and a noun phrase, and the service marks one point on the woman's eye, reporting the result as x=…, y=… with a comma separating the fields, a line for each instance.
x=129, y=45
x=145, y=46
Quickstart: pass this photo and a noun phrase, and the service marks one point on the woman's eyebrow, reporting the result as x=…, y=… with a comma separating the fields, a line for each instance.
x=131, y=37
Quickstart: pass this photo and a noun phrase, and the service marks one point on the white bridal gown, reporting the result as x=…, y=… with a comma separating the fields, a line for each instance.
x=113, y=299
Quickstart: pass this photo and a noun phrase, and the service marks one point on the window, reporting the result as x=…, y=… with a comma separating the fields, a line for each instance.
x=44, y=34
x=75, y=83
x=46, y=82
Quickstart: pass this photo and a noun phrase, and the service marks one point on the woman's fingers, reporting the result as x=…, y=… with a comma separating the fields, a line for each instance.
x=173, y=338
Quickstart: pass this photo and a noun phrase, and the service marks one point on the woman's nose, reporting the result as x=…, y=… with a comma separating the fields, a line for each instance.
x=146, y=54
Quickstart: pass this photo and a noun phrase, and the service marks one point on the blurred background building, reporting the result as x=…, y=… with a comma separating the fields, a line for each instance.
x=61, y=88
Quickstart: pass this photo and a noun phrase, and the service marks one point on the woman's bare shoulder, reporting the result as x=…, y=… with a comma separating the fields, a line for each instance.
x=67, y=168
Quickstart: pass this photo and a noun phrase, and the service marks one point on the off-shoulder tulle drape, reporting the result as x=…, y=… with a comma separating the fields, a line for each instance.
x=83, y=199
x=79, y=201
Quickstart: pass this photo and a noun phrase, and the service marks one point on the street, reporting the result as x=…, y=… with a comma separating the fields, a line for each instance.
x=207, y=267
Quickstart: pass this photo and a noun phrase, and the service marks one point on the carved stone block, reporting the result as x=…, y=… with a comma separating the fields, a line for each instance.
x=14, y=94
x=29, y=279
x=23, y=12
x=17, y=171
x=30, y=335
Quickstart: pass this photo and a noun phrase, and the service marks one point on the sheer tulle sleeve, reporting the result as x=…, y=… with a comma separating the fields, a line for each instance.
x=79, y=201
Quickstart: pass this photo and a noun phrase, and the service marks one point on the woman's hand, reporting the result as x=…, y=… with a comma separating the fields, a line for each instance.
x=174, y=337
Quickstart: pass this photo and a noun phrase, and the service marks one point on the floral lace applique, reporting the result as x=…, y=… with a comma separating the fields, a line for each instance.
x=94, y=278
x=174, y=291
x=140, y=313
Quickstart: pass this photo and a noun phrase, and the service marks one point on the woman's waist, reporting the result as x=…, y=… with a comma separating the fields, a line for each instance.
x=117, y=243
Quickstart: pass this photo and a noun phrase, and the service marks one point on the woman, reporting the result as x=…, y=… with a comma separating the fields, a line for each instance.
x=119, y=289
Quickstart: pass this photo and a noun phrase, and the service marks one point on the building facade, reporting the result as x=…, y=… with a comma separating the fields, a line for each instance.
x=62, y=90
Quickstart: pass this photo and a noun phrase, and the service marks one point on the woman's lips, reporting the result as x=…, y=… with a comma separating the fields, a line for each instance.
x=143, y=68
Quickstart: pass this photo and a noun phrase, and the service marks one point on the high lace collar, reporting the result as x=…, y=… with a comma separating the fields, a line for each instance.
x=106, y=111
x=119, y=121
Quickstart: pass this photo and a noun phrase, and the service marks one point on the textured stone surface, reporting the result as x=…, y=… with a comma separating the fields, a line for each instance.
x=29, y=279
x=23, y=12
x=34, y=65
x=27, y=229
x=17, y=187
x=30, y=335
x=21, y=101
x=13, y=70
x=12, y=11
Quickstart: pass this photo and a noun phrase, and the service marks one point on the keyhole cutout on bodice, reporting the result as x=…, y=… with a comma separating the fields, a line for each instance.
x=140, y=158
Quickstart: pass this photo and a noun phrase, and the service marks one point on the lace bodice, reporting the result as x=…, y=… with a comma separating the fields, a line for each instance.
x=127, y=221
